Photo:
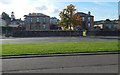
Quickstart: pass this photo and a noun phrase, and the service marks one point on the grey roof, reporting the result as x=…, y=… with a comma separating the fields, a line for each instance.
x=53, y=18
x=36, y=14
x=84, y=14
x=17, y=20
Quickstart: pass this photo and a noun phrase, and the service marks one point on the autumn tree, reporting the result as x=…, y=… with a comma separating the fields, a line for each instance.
x=69, y=18
x=64, y=19
x=76, y=20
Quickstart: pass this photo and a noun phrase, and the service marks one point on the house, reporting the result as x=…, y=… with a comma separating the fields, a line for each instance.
x=17, y=22
x=87, y=21
x=98, y=25
x=54, y=23
x=110, y=25
x=54, y=20
x=2, y=26
x=2, y=22
x=107, y=24
x=37, y=21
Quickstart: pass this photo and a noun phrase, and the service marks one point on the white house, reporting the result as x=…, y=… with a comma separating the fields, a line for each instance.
x=54, y=20
x=2, y=22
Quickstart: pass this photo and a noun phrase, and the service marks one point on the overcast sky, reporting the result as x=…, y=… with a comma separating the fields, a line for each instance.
x=101, y=9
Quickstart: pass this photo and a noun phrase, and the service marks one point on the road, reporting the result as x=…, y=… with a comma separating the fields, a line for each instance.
x=63, y=64
x=56, y=39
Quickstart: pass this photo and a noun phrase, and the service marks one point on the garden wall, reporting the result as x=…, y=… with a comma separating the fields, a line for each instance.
x=62, y=33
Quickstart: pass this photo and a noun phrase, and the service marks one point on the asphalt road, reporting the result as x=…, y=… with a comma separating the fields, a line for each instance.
x=57, y=39
x=63, y=64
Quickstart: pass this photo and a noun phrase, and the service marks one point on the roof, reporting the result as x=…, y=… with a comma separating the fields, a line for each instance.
x=13, y=25
x=17, y=20
x=35, y=14
x=53, y=18
x=84, y=14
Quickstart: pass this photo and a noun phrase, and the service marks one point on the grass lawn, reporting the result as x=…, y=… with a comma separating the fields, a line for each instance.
x=59, y=47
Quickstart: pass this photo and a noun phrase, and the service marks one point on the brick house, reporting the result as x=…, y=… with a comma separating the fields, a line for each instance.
x=37, y=21
x=87, y=21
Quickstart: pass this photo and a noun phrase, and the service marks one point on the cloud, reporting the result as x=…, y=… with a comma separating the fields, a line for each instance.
x=56, y=10
x=45, y=6
x=50, y=9
x=41, y=8
x=6, y=1
x=84, y=0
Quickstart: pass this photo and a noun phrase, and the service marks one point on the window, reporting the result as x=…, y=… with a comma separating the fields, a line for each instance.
x=44, y=26
x=38, y=20
x=30, y=19
x=43, y=19
x=88, y=24
x=83, y=18
x=88, y=18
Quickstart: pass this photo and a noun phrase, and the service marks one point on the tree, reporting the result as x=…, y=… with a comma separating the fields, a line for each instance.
x=76, y=20
x=6, y=17
x=64, y=19
x=69, y=18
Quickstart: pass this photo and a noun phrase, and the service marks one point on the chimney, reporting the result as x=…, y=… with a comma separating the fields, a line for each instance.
x=89, y=13
x=12, y=16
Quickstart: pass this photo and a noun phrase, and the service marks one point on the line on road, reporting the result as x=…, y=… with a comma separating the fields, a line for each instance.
x=62, y=67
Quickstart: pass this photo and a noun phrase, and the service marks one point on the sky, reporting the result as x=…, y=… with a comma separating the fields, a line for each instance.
x=100, y=9
x=119, y=8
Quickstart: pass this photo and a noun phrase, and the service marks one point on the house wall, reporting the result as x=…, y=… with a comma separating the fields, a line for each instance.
x=2, y=22
x=119, y=23
x=53, y=21
x=37, y=23
x=88, y=21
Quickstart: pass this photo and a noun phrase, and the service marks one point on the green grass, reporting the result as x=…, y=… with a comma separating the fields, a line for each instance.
x=58, y=47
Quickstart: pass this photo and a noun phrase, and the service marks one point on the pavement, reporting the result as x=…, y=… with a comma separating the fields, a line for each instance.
x=58, y=39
